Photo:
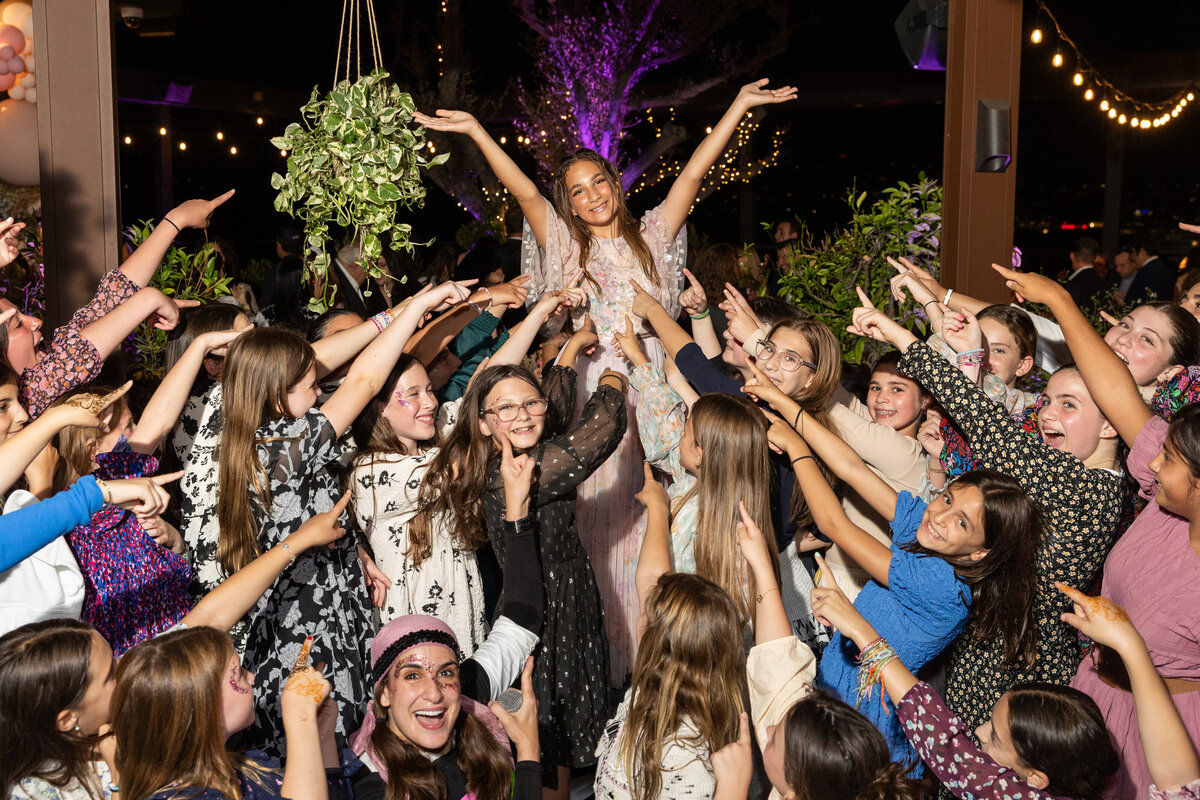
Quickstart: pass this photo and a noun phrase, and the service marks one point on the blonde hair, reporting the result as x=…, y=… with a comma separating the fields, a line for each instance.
x=263, y=364
x=157, y=745
x=736, y=466
x=629, y=229
x=815, y=396
x=76, y=445
x=690, y=665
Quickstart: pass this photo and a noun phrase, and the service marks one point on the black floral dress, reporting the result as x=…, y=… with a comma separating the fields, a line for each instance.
x=570, y=677
x=322, y=594
x=1082, y=510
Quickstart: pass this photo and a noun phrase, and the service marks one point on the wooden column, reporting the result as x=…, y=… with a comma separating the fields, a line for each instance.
x=984, y=63
x=78, y=149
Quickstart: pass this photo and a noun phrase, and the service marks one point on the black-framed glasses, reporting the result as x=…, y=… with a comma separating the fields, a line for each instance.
x=507, y=412
x=788, y=361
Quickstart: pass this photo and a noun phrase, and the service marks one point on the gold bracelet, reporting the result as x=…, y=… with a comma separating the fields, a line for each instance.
x=760, y=597
x=105, y=492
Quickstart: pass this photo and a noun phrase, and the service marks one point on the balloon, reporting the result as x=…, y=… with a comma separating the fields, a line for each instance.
x=12, y=35
x=17, y=92
x=18, y=131
x=12, y=13
x=16, y=64
x=28, y=80
x=6, y=52
x=6, y=82
x=29, y=64
x=26, y=28
x=31, y=95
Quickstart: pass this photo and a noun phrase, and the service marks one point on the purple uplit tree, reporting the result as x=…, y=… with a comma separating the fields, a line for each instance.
x=595, y=63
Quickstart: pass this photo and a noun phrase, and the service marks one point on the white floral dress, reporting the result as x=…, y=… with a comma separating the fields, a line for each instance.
x=445, y=585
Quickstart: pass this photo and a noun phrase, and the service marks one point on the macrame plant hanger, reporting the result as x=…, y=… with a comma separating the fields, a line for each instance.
x=351, y=40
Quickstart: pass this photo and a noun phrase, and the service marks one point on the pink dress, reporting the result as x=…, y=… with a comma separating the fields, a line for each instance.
x=1153, y=572
x=611, y=522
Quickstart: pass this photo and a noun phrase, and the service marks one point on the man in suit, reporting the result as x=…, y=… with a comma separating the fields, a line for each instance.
x=1084, y=283
x=1154, y=280
x=353, y=284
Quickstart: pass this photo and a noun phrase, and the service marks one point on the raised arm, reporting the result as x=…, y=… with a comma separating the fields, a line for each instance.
x=166, y=405
x=673, y=337
x=770, y=618
x=694, y=301
x=1106, y=376
x=874, y=556
x=370, y=369
x=521, y=338
x=109, y=331
x=490, y=300
x=685, y=188
x=141, y=265
x=654, y=558
x=523, y=190
x=1166, y=744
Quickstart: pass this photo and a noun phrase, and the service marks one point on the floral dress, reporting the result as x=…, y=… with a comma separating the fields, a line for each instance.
x=445, y=585
x=1082, y=509
x=612, y=521
x=71, y=360
x=322, y=594
x=134, y=588
x=570, y=674
x=944, y=743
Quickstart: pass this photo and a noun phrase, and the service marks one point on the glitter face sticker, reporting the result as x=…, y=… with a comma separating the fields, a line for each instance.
x=234, y=675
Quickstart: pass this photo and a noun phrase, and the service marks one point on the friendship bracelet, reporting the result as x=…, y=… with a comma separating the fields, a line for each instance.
x=759, y=597
x=382, y=319
x=970, y=358
x=801, y=458
x=701, y=316
x=949, y=292
x=173, y=225
x=872, y=660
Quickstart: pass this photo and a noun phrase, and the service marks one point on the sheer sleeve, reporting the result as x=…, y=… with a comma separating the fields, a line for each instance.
x=559, y=386
x=670, y=257
x=567, y=460
x=661, y=417
x=548, y=269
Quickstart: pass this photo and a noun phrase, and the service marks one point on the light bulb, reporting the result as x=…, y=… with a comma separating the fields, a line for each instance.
x=283, y=153
x=1191, y=96
x=258, y=121
x=233, y=151
x=1104, y=105
x=1112, y=112
x=1133, y=122
x=1145, y=123
x=1121, y=119
x=1077, y=79
x=1089, y=94
x=220, y=136
x=1036, y=36
x=183, y=145
x=1057, y=61
x=128, y=140
x=162, y=131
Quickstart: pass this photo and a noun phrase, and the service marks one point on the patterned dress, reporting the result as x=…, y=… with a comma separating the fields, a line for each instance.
x=687, y=772
x=952, y=756
x=134, y=588
x=612, y=521
x=71, y=360
x=322, y=594
x=1153, y=573
x=570, y=675
x=1082, y=509
x=445, y=585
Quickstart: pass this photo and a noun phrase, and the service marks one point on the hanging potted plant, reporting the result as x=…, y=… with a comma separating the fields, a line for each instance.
x=352, y=160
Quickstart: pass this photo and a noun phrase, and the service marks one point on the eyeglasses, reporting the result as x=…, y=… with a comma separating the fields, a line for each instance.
x=509, y=411
x=788, y=362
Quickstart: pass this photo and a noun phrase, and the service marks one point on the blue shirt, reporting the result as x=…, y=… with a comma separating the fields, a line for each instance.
x=27, y=530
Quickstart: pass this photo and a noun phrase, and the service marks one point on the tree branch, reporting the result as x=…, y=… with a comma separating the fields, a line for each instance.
x=671, y=136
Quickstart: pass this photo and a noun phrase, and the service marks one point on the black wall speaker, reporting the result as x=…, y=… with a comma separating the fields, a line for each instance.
x=921, y=29
x=992, y=141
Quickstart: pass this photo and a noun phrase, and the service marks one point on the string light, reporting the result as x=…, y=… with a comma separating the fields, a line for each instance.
x=233, y=151
x=128, y=140
x=1114, y=103
x=258, y=121
x=220, y=136
x=162, y=131
x=283, y=153
x=183, y=145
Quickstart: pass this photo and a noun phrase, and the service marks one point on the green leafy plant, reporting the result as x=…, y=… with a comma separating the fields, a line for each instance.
x=354, y=157
x=181, y=276
x=819, y=277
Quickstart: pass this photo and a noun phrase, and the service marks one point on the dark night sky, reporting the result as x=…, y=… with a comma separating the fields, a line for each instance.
x=1061, y=154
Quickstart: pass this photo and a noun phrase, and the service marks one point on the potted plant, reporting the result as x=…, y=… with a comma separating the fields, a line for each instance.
x=354, y=157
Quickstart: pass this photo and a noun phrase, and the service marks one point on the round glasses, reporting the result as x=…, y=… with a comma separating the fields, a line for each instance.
x=507, y=412
x=788, y=361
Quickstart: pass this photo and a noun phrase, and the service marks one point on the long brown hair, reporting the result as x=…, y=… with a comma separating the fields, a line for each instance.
x=628, y=228
x=1059, y=730
x=1004, y=582
x=157, y=745
x=457, y=477
x=262, y=365
x=43, y=671
x=691, y=665
x=377, y=440
x=830, y=750
x=815, y=397
x=736, y=465
x=484, y=763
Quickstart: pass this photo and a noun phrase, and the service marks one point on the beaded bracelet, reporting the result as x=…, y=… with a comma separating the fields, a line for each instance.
x=872, y=660
x=291, y=553
x=701, y=316
x=382, y=319
x=970, y=358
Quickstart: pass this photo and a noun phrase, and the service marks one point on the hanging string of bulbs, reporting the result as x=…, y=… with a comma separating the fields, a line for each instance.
x=1114, y=103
